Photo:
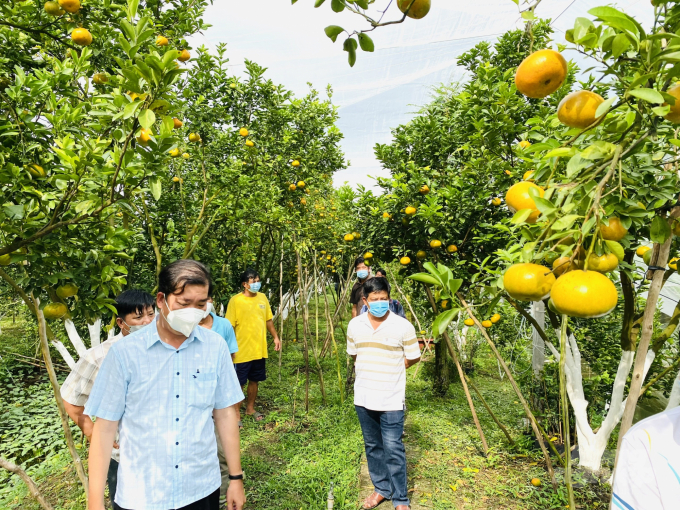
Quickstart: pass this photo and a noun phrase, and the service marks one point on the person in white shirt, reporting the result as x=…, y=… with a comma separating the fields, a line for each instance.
x=647, y=475
x=383, y=346
x=134, y=311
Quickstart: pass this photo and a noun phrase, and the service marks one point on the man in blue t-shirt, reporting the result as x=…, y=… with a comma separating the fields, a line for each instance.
x=222, y=327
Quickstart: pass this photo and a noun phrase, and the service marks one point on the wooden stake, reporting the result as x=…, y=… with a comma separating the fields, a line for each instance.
x=566, y=437
x=500, y=425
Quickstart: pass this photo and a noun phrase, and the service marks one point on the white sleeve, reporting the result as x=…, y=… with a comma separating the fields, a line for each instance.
x=411, y=347
x=635, y=483
x=351, y=346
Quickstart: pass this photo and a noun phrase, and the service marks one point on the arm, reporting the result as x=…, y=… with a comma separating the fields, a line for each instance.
x=355, y=310
x=226, y=421
x=272, y=332
x=98, y=463
x=83, y=421
x=410, y=362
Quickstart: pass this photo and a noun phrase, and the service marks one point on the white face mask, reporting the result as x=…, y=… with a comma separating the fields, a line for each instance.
x=184, y=320
x=132, y=329
x=209, y=308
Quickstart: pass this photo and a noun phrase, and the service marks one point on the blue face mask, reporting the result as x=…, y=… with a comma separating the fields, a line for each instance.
x=255, y=287
x=362, y=273
x=379, y=308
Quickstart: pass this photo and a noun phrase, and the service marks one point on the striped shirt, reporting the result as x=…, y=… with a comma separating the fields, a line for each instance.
x=647, y=475
x=380, y=372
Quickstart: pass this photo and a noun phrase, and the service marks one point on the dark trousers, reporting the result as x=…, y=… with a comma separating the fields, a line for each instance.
x=211, y=502
x=385, y=452
x=112, y=479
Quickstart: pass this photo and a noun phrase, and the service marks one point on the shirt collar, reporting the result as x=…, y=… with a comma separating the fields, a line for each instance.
x=152, y=335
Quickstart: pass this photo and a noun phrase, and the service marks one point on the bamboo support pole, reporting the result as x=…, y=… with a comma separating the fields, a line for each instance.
x=566, y=436
x=491, y=413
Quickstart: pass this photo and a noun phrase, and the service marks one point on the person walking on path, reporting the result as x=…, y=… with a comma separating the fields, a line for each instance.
x=165, y=384
x=250, y=314
x=383, y=345
x=363, y=272
x=395, y=306
x=134, y=310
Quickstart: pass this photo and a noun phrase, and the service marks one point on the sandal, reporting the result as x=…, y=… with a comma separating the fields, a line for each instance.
x=240, y=424
x=257, y=416
x=373, y=501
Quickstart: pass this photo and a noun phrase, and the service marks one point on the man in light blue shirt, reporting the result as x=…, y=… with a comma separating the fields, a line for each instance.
x=164, y=384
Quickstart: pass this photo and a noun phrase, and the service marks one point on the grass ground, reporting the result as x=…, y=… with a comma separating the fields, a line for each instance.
x=293, y=456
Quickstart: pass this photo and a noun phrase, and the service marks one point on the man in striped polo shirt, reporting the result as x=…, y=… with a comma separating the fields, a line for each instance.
x=383, y=346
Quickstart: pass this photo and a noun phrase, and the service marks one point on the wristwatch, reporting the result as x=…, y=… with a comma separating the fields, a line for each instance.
x=236, y=477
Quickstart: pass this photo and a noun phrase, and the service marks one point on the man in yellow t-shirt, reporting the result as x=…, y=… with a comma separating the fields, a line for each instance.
x=250, y=314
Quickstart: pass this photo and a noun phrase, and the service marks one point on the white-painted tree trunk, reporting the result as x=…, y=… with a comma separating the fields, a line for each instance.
x=538, y=345
x=674, y=397
x=592, y=445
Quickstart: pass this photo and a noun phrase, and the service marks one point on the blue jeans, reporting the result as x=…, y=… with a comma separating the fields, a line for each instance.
x=385, y=452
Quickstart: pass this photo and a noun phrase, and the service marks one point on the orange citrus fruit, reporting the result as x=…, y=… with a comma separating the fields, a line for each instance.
x=578, y=109
x=55, y=311
x=615, y=231
x=562, y=265
x=424, y=189
x=71, y=6
x=674, y=114
x=404, y=261
x=410, y=211
x=496, y=201
x=176, y=123
x=421, y=254
x=161, y=41
x=585, y=294
x=194, y=137
x=527, y=176
x=452, y=248
x=243, y=132
x=418, y=8
x=469, y=322
x=294, y=163
x=487, y=324
x=144, y=136
x=524, y=144
x=349, y=238
x=100, y=78
x=301, y=184
x=541, y=73
x=435, y=243
x=174, y=152
x=250, y=143
x=53, y=9
x=495, y=318
x=603, y=263
x=518, y=198
x=184, y=55
x=528, y=282
x=640, y=252
x=81, y=36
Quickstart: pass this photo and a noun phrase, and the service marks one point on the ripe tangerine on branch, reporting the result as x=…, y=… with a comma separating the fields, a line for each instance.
x=524, y=144
x=603, y=263
x=435, y=243
x=424, y=189
x=410, y=211
x=674, y=114
x=518, y=198
x=162, y=41
x=452, y=248
x=541, y=73
x=495, y=318
x=404, y=261
x=487, y=324
x=528, y=282
x=578, y=109
x=469, y=322
x=243, y=132
x=72, y=6
x=585, y=294
x=184, y=55
x=615, y=231
x=176, y=123
x=81, y=36
x=418, y=8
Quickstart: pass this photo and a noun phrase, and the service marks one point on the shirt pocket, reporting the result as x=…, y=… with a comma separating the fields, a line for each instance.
x=203, y=389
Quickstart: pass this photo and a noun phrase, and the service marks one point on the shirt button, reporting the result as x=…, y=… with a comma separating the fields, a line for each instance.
x=176, y=443
x=176, y=419
x=177, y=352
x=176, y=467
x=177, y=396
x=177, y=373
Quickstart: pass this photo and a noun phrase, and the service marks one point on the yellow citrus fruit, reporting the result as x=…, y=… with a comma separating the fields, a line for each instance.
x=295, y=162
x=356, y=235
x=349, y=238
x=53, y=9
x=100, y=78
x=418, y=8
x=5, y=259
x=536, y=482
x=541, y=73
x=524, y=144
x=176, y=123
x=174, y=152
x=421, y=254
x=528, y=282
x=404, y=261
x=614, y=231
x=250, y=143
x=71, y=6
x=36, y=170
x=487, y=324
x=186, y=155
x=81, y=36
x=495, y=318
x=194, y=137
x=301, y=184
x=445, y=304
x=243, y=132
x=452, y=248
x=674, y=114
x=603, y=263
x=144, y=136
x=527, y=176
x=386, y=215
x=435, y=243
x=642, y=250
x=303, y=201
x=647, y=257
x=55, y=311
x=496, y=201
x=67, y=290
x=410, y=211
x=424, y=189
x=292, y=187
x=161, y=41
x=469, y=322
x=562, y=265
x=368, y=255
x=184, y=55
x=518, y=198
x=175, y=179
x=584, y=294
x=676, y=228
x=578, y=109
x=673, y=263
x=508, y=172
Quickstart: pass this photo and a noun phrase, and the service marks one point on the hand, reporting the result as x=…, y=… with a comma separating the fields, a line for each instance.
x=236, y=496
x=277, y=344
x=116, y=445
x=88, y=427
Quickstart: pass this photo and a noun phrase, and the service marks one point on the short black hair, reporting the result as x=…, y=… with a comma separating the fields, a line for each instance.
x=376, y=285
x=359, y=260
x=133, y=301
x=174, y=277
x=381, y=271
x=248, y=274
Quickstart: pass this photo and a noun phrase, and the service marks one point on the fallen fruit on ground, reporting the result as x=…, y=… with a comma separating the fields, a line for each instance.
x=54, y=311
x=68, y=289
x=541, y=73
x=578, y=109
x=418, y=8
x=518, y=198
x=584, y=294
x=615, y=231
x=81, y=36
x=528, y=282
x=536, y=482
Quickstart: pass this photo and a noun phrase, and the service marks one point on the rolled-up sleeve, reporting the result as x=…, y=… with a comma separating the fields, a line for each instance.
x=107, y=399
x=351, y=346
x=228, y=391
x=411, y=347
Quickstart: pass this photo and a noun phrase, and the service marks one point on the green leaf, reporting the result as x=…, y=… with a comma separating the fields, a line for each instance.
x=155, y=185
x=588, y=225
x=649, y=95
x=337, y=5
x=350, y=46
x=319, y=3
x=366, y=43
x=545, y=206
x=598, y=150
x=616, y=249
x=604, y=107
x=576, y=164
x=521, y=216
x=15, y=212
x=147, y=118
x=333, y=31
x=620, y=44
x=443, y=320
x=565, y=222
x=424, y=278
x=660, y=230
x=662, y=111
x=560, y=152
x=362, y=3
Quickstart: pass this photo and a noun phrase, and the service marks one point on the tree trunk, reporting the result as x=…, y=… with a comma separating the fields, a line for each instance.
x=538, y=345
x=441, y=369
x=32, y=487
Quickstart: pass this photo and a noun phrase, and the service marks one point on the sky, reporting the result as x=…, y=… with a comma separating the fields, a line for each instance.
x=387, y=87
